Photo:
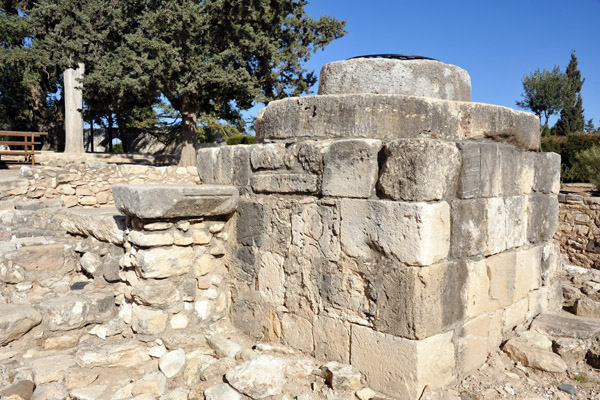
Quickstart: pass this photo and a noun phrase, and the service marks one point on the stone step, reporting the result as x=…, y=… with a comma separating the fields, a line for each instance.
x=104, y=223
x=38, y=204
x=80, y=307
x=567, y=326
x=16, y=320
x=34, y=258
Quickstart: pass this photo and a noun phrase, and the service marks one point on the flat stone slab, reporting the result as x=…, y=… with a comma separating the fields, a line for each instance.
x=105, y=223
x=389, y=116
x=175, y=201
x=566, y=326
x=420, y=78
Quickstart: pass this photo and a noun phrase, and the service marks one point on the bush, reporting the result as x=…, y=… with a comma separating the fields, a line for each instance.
x=241, y=139
x=568, y=147
x=589, y=160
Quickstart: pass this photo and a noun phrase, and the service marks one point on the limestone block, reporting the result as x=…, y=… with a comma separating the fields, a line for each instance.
x=517, y=219
x=414, y=233
x=473, y=344
x=158, y=293
x=271, y=278
x=547, y=173
x=389, y=116
x=94, y=352
x=144, y=239
x=297, y=333
x=171, y=363
x=267, y=156
x=527, y=271
x=77, y=309
x=476, y=289
x=163, y=262
x=148, y=321
x=525, y=173
x=16, y=320
x=421, y=78
x=310, y=155
x=469, y=236
x=153, y=383
x=469, y=181
x=284, y=183
x=543, y=217
x=530, y=356
x=587, y=308
x=174, y=201
x=552, y=266
x=501, y=270
x=491, y=170
x=400, y=367
x=316, y=226
x=205, y=264
x=515, y=314
x=215, y=165
x=42, y=257
x=105, y=223
x=242, y=170
x=259, y=378
x=341, y=377
x=221, y=392
x=417, y=302
x=495, y=225
x=332, y=339
x=419, y=169
x=350, y=168
x=252, y=223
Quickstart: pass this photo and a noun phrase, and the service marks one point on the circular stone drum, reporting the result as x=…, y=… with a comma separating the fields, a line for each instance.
x=420, y=78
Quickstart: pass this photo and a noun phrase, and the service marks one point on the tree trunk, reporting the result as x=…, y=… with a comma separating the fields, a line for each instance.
x=110, y=133
x=189, y=117
x=73, y=107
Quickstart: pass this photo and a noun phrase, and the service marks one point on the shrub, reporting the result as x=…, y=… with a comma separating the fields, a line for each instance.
x=568, y=147
x=241, y=139
x=589, y=160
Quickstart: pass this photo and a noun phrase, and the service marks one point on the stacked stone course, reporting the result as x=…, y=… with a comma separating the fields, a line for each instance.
x=89, y=184
x=388, y=230
x=579, y=230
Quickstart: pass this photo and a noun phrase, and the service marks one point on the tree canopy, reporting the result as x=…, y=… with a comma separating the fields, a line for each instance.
x=571, y=116
x=543, y=93
x=211, y=58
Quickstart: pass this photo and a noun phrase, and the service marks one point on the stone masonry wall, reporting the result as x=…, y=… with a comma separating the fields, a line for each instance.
x=389, y=254
x=89, y=184
x=579, y=230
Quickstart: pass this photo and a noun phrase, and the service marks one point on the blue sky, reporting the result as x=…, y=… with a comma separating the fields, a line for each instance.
x=497, y=42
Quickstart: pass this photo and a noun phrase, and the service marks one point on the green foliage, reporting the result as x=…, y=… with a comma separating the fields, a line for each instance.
x=589, y=160
x=571, y=116
x=241, y=139
x=589, y=126
x=543, y=93
x=568, y=147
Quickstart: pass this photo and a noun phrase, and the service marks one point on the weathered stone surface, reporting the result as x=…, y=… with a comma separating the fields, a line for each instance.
x=566, y=326
x=420, y=78
x=148, y=321
x=517, y=219
x=414, y=233
x=587, y=308
x=341, y=377
x=50, y=391
x=16, y=320
x=469, y=179
x=172, y=362
x=39, y=257
x=259, y=378
x=158, y=293
x=350, y=168
x=153, y=383
x=543, y=217
x=385, y=116
x=495, y=218
x=419, y=169
x=297, y=332
x=417, y=302
x=284, y=183
x=271, y=278
x=77, y=309
x=94, y=392
x=400, y=367
x=175, y=201
x=476, y=290
x=94, y=352
x=332, y=339
x=527, y=271
x=144, y=239
x=547, y=173
x=469, y=233
x=21, y=390
x=105, y=223
x=223, y=346
x=501, y=270
x=221, y=392
x=164, y=262
x=530, y=356
x=267, y=156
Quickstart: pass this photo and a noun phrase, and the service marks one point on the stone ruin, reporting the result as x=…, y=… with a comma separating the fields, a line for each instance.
x=390, y=223
x=387, y=222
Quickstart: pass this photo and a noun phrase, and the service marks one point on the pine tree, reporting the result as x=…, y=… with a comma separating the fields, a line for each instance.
x=571, y=116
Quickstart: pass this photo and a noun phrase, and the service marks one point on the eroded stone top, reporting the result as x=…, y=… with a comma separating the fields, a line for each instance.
x=420, y=78
x=175, y=201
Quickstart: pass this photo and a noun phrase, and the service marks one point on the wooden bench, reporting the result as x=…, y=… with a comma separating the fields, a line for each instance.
x=27, y=142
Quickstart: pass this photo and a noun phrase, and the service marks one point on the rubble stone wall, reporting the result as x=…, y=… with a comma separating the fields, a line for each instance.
x=579, y=230
x=389, y=254
x=89, y=184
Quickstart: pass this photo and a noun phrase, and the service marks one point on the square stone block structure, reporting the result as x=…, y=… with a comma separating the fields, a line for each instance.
x=391, y=223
